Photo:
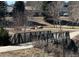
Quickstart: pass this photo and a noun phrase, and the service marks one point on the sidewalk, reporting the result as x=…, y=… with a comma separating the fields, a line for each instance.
x=73, y=34
x=12, y=48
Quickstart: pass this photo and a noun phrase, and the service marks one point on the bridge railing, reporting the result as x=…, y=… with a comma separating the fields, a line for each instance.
x=48, y=36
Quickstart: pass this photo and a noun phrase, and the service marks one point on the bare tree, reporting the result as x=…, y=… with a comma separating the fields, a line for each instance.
x=51, y=9
x=73, y=11
x=19, y=9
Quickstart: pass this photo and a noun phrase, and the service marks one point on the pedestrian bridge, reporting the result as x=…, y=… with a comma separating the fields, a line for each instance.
x=23, y=37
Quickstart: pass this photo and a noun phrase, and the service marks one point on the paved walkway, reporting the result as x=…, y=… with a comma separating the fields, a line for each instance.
x=12, y=48
x=73, y=34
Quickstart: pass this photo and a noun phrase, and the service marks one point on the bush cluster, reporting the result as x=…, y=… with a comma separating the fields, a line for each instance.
x=4, y=37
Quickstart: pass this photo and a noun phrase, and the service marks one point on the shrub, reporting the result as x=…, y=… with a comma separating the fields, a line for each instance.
x=4, y=37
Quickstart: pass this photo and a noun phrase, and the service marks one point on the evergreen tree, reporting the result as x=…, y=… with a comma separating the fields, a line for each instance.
x=4, y=37
x=3, y=10
x=19, y=6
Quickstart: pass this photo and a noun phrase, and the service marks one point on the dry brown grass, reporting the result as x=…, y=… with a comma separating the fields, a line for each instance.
x=31, y=52
x=51, y=48
x=55, y=50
